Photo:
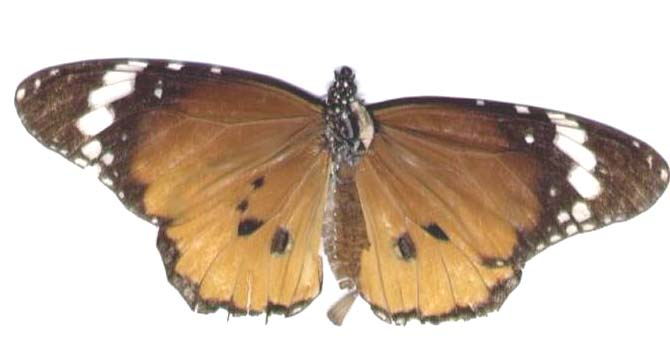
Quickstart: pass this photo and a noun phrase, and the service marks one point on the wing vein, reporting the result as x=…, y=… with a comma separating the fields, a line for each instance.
x=293, y=192
x=441, y=200
x=465, y=255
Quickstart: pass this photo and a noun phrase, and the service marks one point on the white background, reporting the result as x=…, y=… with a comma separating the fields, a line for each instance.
x=80, y=273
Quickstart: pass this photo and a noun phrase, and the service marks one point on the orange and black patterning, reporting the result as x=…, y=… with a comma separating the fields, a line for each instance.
x=428, y=207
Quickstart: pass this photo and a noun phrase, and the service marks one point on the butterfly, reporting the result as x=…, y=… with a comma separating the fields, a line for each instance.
x=426, y=207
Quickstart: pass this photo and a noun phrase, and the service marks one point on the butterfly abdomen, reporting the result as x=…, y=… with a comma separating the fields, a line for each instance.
x=345, y=246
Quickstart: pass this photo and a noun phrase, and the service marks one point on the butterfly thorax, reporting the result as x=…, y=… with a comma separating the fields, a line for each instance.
x=349, y=128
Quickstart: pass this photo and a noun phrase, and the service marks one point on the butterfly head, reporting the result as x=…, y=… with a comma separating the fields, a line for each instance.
x=349, y=127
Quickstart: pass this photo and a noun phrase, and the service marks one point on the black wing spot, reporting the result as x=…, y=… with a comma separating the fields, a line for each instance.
x=280, y=241
x=248, y=226
x=406, y=246
x=437, y=232
x=258, y=182
x=243, y=205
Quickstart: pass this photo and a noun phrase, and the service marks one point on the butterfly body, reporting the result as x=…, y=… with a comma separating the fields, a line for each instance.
x=349, y=132
x=427, y=207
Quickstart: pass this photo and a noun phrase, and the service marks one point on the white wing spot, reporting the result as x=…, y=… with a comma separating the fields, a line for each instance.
x=636, y=144
x=540, y=246
x=581, y=211
x=107, y=158
x=584, y=182
x=571, y=229
x=215, y=70
x=650, y=161
x=529, y=138
x=562, y=217
x=93, y=122
x=122, y=195
x=20, y=94
x=588, y=226
x=92, y=149
x=112, y=77
x=570, y=139
x=561, y=119
x=154, y=220
x=124, y=136
x=158, y=92
x=553, y=192
x=576, y=151
x=664, y=175
x=138, y=63
x=37, y=83
x=607, y=219
x=554, y=238
x=107, y=181
x=522, y=109
x=480, y=102
x=80, y=162
x=132, y=65
x=175, y=66
x=576, y=134
x=110, y=93
x=53, y=72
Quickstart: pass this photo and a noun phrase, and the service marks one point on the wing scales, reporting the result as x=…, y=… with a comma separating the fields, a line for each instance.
x=456, y=194
x=479, y=189
x=446, y=277
x=221, y=160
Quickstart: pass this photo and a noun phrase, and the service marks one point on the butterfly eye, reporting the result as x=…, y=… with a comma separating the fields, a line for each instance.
x=345, y=73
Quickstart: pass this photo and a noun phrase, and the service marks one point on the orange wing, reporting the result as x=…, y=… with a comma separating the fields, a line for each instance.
x=231, y=166
x=457, y=194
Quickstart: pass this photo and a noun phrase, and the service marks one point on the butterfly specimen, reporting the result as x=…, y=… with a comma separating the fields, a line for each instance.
x=426, y=207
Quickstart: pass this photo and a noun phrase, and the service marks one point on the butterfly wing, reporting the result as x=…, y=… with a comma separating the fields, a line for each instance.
x=457, y=194
x=228, y=163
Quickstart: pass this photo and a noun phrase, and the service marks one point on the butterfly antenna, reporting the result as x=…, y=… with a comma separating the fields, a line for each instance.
x=339, y=310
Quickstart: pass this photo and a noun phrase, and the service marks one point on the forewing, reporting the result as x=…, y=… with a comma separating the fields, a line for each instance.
x=225, y=161
x=457, y=194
